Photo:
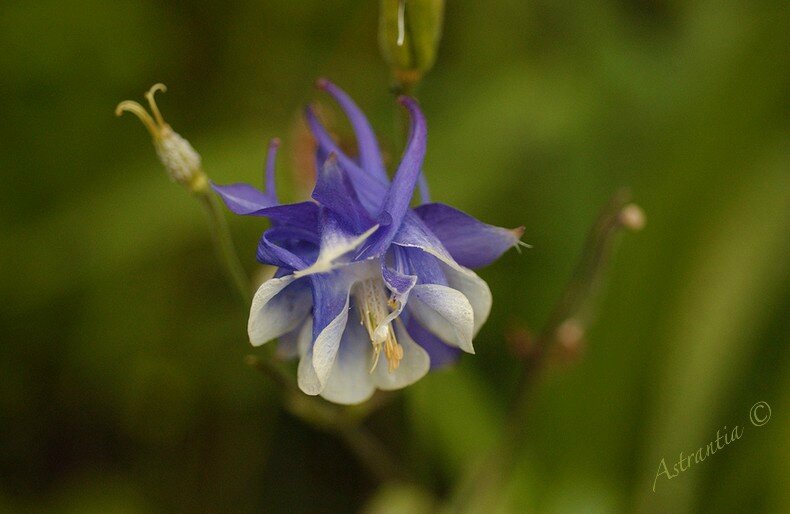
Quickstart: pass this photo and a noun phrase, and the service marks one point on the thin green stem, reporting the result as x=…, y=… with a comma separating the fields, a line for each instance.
x=574, y=307
x=343, y=422
x=576, y=302
x=226, y=251
x=371, y=453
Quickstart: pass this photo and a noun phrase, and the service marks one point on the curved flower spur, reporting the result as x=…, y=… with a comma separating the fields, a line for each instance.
x=360, y=273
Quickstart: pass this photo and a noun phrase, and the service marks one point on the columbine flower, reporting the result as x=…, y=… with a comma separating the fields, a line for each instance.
x=363, y=278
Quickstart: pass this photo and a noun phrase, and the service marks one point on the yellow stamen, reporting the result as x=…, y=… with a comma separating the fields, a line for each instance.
x=373, y=305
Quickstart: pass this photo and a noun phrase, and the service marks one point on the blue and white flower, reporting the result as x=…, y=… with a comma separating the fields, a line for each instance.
x=362, y=277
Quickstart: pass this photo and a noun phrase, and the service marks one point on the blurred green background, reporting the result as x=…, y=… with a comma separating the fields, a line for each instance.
x=122, y=384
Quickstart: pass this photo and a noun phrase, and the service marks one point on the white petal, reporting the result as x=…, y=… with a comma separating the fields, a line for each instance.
x=444, y=311
x=413, y=366
x=350, y=381
x=276, y=310
x=306, y=376
x=474, y=288
x=327, y=343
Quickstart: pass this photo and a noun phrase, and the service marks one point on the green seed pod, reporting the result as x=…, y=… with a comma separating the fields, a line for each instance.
x=409, y=33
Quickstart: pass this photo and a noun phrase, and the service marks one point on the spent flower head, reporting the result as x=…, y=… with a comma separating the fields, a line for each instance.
x=361, y=276
x=180, y=160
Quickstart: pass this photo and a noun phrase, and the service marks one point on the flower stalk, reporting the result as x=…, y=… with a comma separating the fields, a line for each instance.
x=566, y=326
x=226, y=250
x=343, y=422
x=184, y=166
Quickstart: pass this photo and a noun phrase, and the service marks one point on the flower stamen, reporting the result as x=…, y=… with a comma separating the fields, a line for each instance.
x=373, y=304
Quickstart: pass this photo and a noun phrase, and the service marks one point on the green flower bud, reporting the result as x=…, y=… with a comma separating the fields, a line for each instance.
x=409, y=33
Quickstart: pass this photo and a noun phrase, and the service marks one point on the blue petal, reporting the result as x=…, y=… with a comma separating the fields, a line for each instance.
x=244, y=199
x=269, y=172
x=340, y=243
x=424, y=266
x=425, y=194
x=303, y=215
x=333, y=190
x=441, y=353
x=414, y=233
x=369, y=154
x=398, y=282
x=288, y=247
x=330, y=314
x=279, y=306
x=396, y=203
x=370, y=188
x=471, y=243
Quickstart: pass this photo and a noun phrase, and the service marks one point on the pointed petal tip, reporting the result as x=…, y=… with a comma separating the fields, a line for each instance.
x=275, y=143
x=518, y=233
x=322, y=83
x=407, y=101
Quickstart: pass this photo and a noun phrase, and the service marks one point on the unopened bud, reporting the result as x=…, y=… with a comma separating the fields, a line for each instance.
x=181, y=161
x=570, y=341
x=569, y=334
x=409, y=34
x=632, y=217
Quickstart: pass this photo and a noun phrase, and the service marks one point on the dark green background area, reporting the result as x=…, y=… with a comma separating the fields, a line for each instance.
x=122, y=382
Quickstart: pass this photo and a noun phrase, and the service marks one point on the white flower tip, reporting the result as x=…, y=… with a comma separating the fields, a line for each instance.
x=311, y=388
x=257, y=343
x=468, y=347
